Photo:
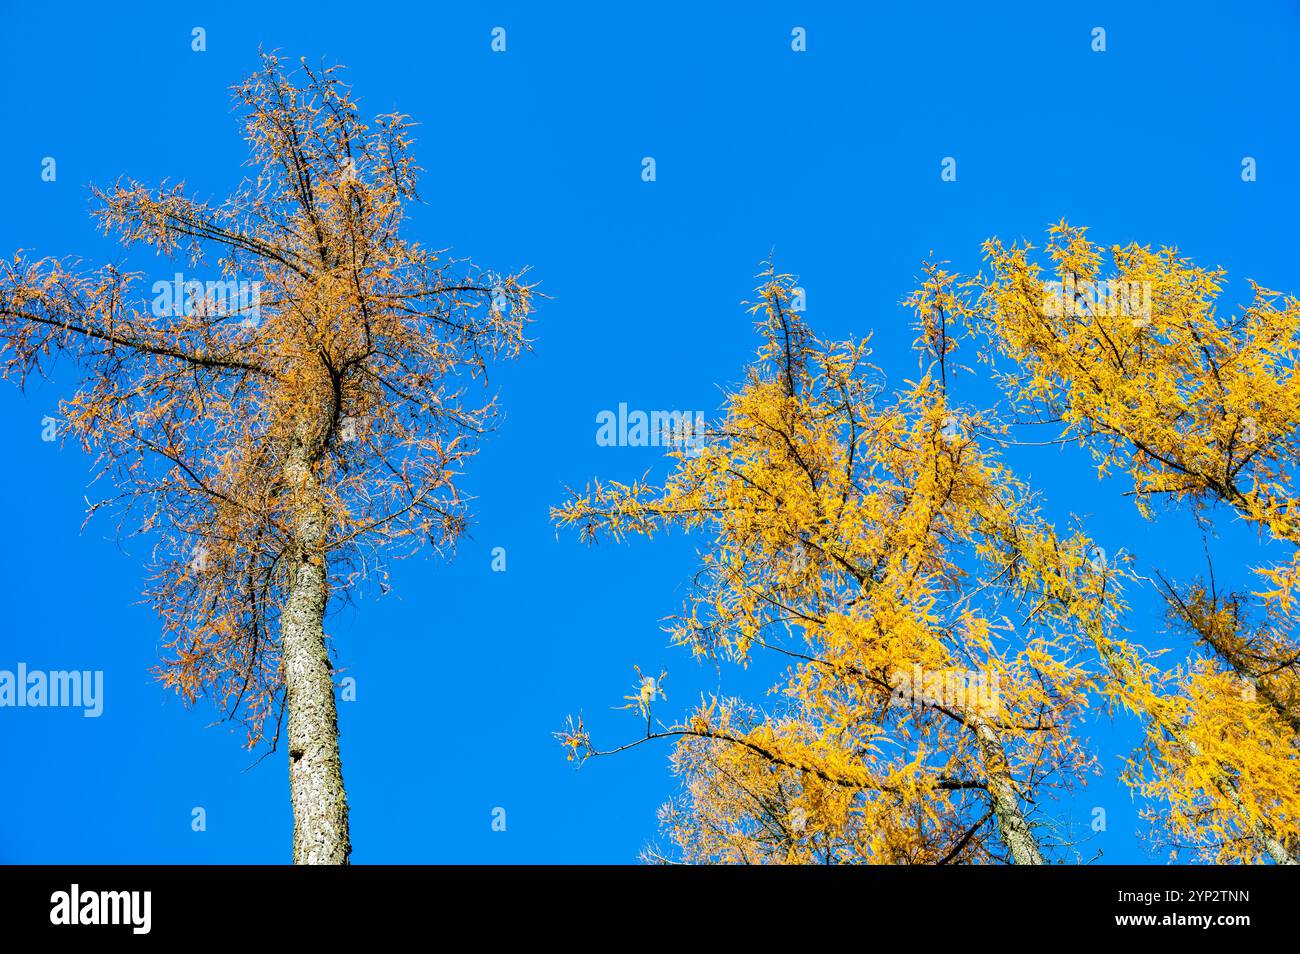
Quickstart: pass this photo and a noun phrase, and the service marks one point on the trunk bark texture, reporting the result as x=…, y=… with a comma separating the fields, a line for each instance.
x=1013, y=826
x=320, y=807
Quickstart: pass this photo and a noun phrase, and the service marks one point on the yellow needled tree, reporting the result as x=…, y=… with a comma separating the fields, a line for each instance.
x=1126, y=350
x=934, y=674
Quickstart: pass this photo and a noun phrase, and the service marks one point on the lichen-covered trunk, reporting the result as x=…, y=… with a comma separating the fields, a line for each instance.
x=1013, y=826
x=320, y=808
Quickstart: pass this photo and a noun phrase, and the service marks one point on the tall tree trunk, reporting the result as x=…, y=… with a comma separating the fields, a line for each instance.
x=1013, y=826
x=320, y=808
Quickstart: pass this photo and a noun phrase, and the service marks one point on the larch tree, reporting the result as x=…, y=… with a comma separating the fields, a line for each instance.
x=1126, y=350
x=276, y=447
x=927, y=617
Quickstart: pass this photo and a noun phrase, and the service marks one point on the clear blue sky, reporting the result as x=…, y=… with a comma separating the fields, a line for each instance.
x=533, y=156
